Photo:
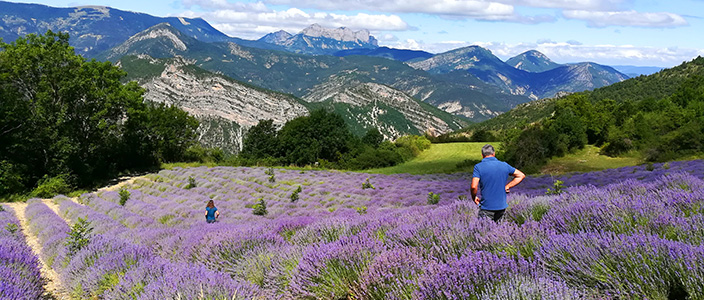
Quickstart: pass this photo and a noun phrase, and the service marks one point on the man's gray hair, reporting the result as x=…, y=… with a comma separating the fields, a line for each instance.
x=487, y=150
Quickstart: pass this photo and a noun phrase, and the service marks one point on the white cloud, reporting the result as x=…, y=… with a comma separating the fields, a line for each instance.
x=254, y=24
x=626, y=18
x=565, y=52
x=569, y=51
x=475, y=8
x=570, y=4
x=453, y=9
x=224, y=4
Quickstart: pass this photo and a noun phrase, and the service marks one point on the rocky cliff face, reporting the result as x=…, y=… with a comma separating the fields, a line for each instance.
x=393, y=112
x=342, y=34
x=316, y=39
x=226, y=108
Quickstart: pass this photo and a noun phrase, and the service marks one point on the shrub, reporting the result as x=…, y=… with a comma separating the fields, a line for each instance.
x=191, y=183
x=11, y=227
x=198, y=153
x=124, y=196
x=482, y=135
x=556, y=189
x=367, y=185
x=433, y=198
x=413, y=143
x=272, y=175
x=361, y=210
x=294, y=195
x=259, y=209
x=78, y=237
x=51, y=186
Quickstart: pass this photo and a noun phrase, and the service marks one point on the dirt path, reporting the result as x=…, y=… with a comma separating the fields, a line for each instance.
x=53, y=284
x=123, y=181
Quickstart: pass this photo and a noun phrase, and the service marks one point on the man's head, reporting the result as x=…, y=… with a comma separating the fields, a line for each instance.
x=488, y=150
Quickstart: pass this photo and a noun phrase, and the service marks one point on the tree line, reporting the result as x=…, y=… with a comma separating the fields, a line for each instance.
x=323, y=138
x=66, y=122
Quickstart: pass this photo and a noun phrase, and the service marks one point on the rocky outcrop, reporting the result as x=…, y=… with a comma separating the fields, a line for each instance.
x=393, y=112
x=317, y=39
x=532, y=61
x=217, y=101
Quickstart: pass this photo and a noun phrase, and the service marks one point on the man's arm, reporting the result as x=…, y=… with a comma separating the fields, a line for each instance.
x=474, y=188
x=518, y=177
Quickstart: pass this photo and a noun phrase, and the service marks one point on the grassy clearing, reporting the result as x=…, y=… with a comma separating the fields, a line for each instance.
x=588, y=160
x=440, y=158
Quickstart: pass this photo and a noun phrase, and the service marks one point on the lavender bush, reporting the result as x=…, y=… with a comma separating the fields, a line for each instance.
x=20, y=277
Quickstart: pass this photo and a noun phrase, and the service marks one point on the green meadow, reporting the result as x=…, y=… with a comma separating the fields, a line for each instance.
x=440, y=158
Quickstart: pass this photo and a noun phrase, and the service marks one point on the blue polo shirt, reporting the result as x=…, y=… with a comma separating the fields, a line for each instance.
x=493, y=174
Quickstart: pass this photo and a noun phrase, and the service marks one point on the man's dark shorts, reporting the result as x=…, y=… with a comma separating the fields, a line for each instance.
x=495, y=215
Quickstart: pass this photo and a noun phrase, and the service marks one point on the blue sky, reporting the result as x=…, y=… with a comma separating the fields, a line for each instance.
x=628, y=32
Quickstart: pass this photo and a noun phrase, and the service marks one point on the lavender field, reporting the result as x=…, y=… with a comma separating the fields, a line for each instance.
x=629, y=233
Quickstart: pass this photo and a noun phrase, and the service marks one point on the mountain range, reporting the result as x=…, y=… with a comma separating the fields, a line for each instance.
x=399, y=91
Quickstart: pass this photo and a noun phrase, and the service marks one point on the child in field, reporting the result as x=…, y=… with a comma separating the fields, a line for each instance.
x=211, y=212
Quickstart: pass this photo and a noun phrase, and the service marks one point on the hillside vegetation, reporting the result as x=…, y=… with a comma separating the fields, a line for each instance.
x=659, y=117
x=66, y=122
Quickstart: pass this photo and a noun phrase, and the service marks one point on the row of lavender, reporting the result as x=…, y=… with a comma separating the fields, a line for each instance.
x=108, y=267
x=20, y=276
x=629, y=240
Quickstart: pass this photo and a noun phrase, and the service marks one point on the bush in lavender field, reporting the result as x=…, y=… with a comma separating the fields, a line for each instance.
x=191, y=183
x=12, y=228
x=433, y=198
x=124, y=196
x=294, y=195
x=557, y=188
x=259, y=208
x=272, y=175
x=79, y=236
x=367, y=185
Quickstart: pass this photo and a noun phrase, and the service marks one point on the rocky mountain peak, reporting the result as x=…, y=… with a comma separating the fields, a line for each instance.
x=278, y=37
x=532, y=61
x=343, y=34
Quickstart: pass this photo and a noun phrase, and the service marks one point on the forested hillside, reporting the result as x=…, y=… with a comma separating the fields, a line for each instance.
x=659, y=116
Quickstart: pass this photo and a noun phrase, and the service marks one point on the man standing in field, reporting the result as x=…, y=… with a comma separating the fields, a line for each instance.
x=490, y=175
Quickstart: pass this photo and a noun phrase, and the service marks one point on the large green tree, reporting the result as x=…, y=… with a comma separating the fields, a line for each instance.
x=307, y=139
x=60, y=114
x=260, y=141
